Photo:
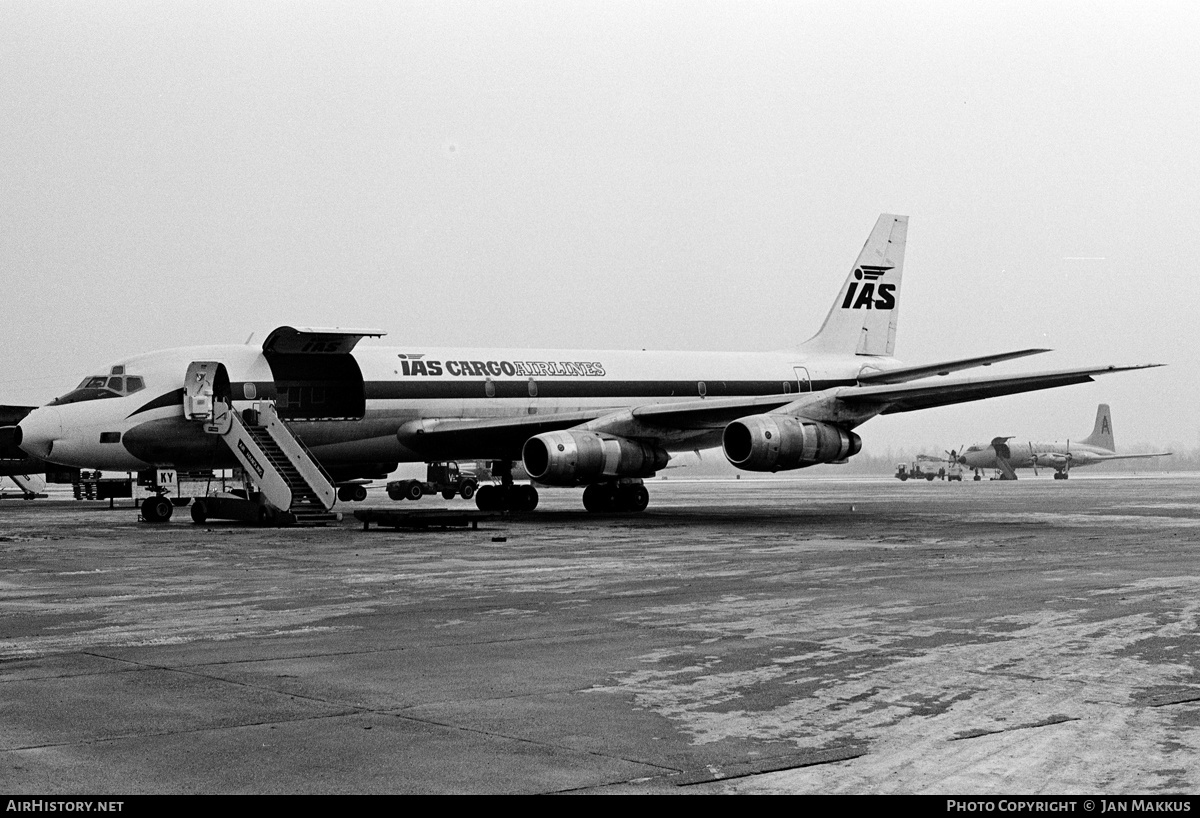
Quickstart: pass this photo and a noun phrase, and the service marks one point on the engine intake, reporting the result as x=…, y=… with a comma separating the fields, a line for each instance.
x=775, y=442
x=570, y=458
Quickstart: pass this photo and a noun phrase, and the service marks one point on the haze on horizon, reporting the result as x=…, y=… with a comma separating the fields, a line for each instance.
x=671, y=175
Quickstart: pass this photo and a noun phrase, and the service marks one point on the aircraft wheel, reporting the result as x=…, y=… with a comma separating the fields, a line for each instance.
x=358, y=493
x=524, y=498
x=484, y=498
x=413, y=491
x=199, y=512
x=634, y=498
x=156, y=509
x=599, y=497
x=343, y=494
x=467, y=491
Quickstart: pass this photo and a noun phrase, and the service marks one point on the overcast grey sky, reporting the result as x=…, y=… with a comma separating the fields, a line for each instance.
x=677, y=175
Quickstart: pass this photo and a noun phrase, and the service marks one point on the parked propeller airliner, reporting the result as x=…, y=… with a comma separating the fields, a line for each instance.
x=602, y=420
x=1098, y=447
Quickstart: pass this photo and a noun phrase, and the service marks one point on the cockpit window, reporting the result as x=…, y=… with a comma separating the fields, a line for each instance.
x=80, y=395
x=97, y=387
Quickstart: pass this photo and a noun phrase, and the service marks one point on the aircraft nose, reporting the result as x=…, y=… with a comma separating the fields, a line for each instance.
x=38, y=430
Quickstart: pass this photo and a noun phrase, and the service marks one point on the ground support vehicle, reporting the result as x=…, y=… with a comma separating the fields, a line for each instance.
x=444, y=478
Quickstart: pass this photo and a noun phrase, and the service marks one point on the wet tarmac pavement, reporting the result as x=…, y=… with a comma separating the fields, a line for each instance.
x=809, y=636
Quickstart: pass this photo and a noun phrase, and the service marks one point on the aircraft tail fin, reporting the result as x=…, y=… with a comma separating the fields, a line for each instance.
x=1102, y=435
x=863, y=319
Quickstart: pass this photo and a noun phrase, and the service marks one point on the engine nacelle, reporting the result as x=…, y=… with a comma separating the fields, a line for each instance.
x=780, y=442
x=1052, y=459
x=570, y=458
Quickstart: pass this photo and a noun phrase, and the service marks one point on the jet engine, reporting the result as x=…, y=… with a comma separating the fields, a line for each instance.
x=775, y=442
x=571, y=458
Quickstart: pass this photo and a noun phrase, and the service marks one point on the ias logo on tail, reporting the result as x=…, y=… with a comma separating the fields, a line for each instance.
x=872, y=294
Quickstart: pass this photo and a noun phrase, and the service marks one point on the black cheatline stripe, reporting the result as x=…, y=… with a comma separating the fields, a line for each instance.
x=455, y=389
x=171, y=398
x=418, y=389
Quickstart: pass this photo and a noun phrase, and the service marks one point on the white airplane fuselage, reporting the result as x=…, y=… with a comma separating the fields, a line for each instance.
x=405, y=386
x=572, y=417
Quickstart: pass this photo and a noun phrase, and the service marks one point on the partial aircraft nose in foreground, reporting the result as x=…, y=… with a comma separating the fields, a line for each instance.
x=37, y=432
x=312, y=412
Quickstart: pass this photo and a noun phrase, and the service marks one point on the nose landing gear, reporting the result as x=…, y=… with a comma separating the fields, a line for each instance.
x=157, y=509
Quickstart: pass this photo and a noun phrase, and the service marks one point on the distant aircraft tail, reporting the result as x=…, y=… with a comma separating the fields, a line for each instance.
x=863, y=319
x=1102, y=435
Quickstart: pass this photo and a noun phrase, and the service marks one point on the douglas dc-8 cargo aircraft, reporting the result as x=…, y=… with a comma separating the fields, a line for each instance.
x=601, y=420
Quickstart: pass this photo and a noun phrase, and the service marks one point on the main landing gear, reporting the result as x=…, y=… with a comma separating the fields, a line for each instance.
x=507, y=496
x=607, y=497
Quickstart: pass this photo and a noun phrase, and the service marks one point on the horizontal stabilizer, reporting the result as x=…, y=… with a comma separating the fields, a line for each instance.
x=912, y=373
x=909, y=397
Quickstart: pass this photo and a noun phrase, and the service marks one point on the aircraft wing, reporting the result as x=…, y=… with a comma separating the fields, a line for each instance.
x=909, y=397
x=1130, y=456
x=502, y=438
x=493, y=438
x=911, y=373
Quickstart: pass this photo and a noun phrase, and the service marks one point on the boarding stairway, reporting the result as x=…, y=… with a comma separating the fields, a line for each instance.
x=288, y=477
x=31, y=485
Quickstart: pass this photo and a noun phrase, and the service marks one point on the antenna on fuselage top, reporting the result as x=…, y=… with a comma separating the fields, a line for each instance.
x=251, y=338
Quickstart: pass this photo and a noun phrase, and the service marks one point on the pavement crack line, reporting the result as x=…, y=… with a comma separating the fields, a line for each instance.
x=350, y=710
x=1050, y=722
x=195, y=730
